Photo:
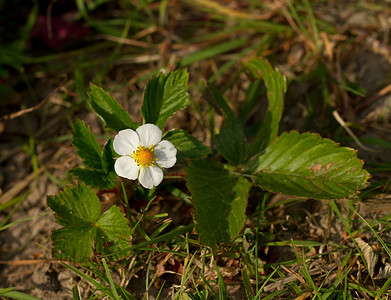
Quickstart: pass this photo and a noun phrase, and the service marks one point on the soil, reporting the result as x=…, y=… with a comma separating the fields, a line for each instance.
x=25, y=247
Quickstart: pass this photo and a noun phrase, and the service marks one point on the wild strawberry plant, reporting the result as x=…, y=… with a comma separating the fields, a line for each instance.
x=219, y=180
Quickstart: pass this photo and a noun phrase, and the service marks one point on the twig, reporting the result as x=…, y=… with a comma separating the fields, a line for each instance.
x=23, y=111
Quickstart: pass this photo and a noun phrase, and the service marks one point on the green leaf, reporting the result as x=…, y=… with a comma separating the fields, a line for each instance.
x=112, y=233
x=276, y=87
x=102, y=175
x=78, y=210
x=95, y=178
x=164, y=95
x=220, y=200
x=232, y=143
x=253, y=94
x=86, y=145
x=188, y=146
x=307, y=165
x=237, y=216
x=109, y=110
x=108, y=155
x=73, y=243
x=219, y=103
x=75, y=206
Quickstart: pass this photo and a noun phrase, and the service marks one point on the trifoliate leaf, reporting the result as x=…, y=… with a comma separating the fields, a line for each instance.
x=86, y=145
x=164, y=95
x=220, y=200
x=78, y=210
x=109, y=110
x=307, y=165
x=188, y=147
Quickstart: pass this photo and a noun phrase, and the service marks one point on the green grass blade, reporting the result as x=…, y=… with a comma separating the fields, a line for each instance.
x=387, y=284
x=349, y=231
x=17, y=201
x=312, y=20
x=375, y=234
x=113, y=289
x=22, y=220
x=75, y=293
x=211, y=52
x=247, y=284
x=268, y=278
x=11, y=293
x=222, y=287
x=165, y=237
x=89, y=279
x=160, y=229
x=186, y=275
x=29, y=23
x=383, y=289
x=358, y=286
x=275, y=295
x=305, y=271
x=224, y=68
x=6, y=290
x=81, y=6
x=339, y=276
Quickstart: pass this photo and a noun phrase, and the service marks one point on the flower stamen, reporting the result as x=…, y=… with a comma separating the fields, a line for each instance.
x=144, y=156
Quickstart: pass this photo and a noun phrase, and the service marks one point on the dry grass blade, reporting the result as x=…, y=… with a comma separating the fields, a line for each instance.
x=215, y=8
x=341, y=122
x=20, y=186
x=281, y=282
x=29, y=262
x=296, y=275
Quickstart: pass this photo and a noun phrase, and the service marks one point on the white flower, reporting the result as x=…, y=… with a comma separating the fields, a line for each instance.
x=143, y=154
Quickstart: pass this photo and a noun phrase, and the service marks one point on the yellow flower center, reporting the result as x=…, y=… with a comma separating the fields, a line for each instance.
x=144, y=156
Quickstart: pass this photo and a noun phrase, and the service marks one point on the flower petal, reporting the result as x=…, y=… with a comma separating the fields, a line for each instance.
x=150, y=177
x=126, y=167
x=149, y=134
x=165, y=153
x=126, y=141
